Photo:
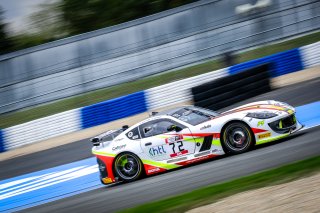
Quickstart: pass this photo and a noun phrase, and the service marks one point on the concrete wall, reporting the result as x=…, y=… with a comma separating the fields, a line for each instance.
x=145, y=46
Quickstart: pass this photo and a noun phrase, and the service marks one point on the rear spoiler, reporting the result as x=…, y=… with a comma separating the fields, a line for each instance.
x=96, y=141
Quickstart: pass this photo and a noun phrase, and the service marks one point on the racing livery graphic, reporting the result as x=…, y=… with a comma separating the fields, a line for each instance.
x=188, y=134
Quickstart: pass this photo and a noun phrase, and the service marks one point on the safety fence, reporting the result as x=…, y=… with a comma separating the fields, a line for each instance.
x=165, y=95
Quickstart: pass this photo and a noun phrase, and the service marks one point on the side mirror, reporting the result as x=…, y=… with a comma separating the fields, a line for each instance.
x=95, y=141
x=174, y=128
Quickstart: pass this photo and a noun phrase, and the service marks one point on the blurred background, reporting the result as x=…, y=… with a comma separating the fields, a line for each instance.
x=72, y=69
x=94, y=50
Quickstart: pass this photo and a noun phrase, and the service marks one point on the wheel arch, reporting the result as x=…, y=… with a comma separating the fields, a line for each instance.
x=235, y=121
x=123, y=152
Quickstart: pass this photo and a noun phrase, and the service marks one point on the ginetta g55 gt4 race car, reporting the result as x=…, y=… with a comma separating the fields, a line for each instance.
x=188, y=134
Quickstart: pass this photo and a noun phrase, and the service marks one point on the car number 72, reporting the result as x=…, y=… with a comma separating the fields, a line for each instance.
x=179, y=147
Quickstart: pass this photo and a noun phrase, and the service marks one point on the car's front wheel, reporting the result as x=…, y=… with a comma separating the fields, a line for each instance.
x=237, y=138
x=128, y=167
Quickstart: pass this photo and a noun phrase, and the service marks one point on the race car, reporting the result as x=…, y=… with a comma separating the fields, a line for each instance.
x=188, y=134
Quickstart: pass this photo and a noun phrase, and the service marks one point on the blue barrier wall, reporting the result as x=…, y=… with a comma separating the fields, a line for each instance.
x=114, y=109
x=2, y=149
x=110, y=110
x=282, y=63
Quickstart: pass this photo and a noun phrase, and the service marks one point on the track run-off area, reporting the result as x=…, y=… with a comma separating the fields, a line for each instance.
x=75, y=186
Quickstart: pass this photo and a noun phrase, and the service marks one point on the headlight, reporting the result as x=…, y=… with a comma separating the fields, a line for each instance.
x=261, y=115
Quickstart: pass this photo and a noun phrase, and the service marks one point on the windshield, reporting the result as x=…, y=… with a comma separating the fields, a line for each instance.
x=193, y=115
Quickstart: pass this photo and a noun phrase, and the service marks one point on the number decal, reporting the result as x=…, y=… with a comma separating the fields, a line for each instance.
x=180, y=146
x=173, y=146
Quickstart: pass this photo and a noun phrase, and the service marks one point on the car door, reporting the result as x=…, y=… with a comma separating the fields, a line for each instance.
x=161, y=144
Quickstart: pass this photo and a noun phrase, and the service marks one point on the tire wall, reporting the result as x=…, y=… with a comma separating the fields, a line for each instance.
x=228, y=90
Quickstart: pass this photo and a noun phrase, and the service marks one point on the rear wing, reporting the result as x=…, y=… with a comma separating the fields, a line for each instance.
x=107, y=136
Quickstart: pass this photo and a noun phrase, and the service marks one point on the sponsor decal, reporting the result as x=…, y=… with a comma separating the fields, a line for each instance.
x=153, y=170
x=265, y=135
x=118, y=147
x=119, y=139
x=205, y=127
x=133, y=134
x=135, y=137
x=174, y=139
x=179, y=153
x=197, y=159
x=106, y=180
x=157, y=151
x=261, y=123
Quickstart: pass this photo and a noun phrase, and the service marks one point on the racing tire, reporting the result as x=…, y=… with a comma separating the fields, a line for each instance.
x=128, y=167
x=237, y=138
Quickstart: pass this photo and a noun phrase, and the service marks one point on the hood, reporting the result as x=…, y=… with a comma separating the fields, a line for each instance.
x=263, y=105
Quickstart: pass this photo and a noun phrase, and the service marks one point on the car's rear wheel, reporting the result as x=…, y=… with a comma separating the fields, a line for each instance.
x=237, y=138
x=128, y=167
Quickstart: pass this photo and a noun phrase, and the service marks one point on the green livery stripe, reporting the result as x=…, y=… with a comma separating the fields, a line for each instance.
x=103, y=154
x=216, y=142
x=162, y=165
x=190, y=139
x=198, y=140
x=150, y=162
x=272, y=139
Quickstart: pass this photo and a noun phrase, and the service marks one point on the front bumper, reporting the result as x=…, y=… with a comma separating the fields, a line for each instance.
x=279, y=129
x=284, y=125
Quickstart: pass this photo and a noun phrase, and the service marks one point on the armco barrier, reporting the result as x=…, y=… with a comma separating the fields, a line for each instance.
x=113, y=109
x=1, y=142
x=225, y=91
x=282, y=63
x=168, y=94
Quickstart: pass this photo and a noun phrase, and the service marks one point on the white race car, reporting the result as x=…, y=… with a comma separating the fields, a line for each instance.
x=188, y=134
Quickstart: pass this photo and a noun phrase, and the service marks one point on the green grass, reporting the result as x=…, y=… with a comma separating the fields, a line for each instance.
x=210, y=194
x=19, y=117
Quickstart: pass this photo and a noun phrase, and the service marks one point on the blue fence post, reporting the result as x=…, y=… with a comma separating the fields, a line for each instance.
x=2, y=147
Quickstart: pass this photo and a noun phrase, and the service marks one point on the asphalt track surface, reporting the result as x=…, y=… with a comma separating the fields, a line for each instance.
x=117, y=197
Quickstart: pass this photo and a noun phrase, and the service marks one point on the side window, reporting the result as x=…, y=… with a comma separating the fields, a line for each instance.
x=146, y=129
x=161, y=127
x=156, y=127
x=133, y=134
